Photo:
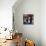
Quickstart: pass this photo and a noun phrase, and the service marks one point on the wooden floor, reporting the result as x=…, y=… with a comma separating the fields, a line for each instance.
x=9, y=43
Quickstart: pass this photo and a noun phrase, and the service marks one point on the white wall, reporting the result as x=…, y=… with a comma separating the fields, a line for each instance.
x=6, y=13
x=43, y=22
x=29, y=31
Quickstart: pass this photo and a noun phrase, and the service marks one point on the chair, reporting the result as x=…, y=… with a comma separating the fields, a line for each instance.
x=29, y=43
x=18, y=37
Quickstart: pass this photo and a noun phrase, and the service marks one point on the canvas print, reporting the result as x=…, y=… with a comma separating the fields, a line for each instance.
x=28, y=19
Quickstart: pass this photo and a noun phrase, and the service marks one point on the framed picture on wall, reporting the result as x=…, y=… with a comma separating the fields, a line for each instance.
x=28, y=18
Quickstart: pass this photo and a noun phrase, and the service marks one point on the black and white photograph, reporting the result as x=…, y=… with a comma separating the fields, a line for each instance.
x=28, y=19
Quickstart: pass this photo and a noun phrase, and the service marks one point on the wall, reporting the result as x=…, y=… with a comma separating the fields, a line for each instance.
x=43, y=22
x=32, y=32
x=6, y=13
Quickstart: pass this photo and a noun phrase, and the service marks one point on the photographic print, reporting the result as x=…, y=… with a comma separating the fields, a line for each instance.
x=28, y=19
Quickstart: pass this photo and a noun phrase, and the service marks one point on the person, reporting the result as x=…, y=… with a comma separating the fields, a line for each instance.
x=25, y=20
x=29, y=20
